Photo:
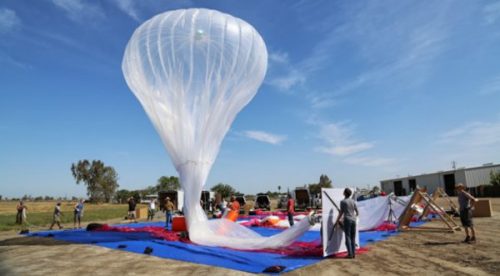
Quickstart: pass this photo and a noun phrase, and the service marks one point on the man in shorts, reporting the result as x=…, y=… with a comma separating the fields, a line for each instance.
x=57, y=216
x=466, y=204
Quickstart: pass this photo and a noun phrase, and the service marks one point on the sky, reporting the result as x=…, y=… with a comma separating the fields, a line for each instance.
x=359, y=90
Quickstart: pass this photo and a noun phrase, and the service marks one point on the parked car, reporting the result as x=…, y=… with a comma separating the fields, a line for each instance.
x=242, y=201
x=302, y=198
x=282, y=201
x=177, y=198
x=207, y=198
x=262, y=202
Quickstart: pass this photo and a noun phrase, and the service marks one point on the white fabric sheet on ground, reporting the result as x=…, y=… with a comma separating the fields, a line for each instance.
x=219, y=232
x=374, y=212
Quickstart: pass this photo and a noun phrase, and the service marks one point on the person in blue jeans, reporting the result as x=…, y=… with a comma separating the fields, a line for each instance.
x=349, y=212
x=169, y=209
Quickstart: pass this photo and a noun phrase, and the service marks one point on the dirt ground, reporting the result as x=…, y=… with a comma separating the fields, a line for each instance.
x=409, y=253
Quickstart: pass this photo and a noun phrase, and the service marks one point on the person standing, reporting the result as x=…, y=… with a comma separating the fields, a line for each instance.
x=57, y=216
x=152, y=209
x=131, y=209
x=21, y=212
x=169, y=209
x=466, y=204
x=349, y=212
x=78, y=214
x=234, y=205
x=223, y=206
x=290, y=208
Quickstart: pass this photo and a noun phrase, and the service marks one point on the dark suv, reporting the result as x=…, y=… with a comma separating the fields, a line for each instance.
x=262, y=202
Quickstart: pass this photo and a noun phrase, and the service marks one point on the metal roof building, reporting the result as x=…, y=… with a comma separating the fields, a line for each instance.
x=471, y=177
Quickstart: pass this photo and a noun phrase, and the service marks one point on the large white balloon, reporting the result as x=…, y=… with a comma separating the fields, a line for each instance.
x=193, y=70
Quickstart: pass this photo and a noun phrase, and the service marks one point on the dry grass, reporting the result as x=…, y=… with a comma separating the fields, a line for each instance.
x=39, y=215
x=9, y=207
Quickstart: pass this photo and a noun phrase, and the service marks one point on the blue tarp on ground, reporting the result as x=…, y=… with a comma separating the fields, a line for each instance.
x=254, y=262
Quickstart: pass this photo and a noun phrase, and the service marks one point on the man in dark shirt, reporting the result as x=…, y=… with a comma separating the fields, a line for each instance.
x=349, y=212
x=131, y=209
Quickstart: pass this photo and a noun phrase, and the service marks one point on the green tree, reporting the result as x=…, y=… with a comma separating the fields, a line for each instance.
x=101, y=180
x=324, y=182
x=166, y=183
x=108, y=183
x=495, y=178
x=225, y=190
x=150, y=190
x=122, y=196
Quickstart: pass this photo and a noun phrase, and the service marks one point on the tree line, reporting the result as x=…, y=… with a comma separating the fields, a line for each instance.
x=102, y=184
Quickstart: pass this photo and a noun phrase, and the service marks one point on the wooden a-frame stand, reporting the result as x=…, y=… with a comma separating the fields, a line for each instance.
x=440, y=193
x=421, y=196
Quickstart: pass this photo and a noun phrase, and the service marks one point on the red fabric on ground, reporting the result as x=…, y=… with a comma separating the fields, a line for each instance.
x=307, y=249
x=155, y=231
x=296, y=249
x=257, y=223
x=386, y=226
x=259, y=212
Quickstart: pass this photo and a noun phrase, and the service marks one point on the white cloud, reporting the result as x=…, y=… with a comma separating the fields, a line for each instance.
x=369, y=161
x=344, y=150
x=321, y=100
x=491, y=13
x=265, y=137
x=402, y=50
x=9, y=20
x=286, y=82
x=8, y=60
x=80, y=11
x=340, y=141
x=278, y=57
x=491, y=87
x=129, y=8
x=401, y=47
x=475, y=134
x=282, y=74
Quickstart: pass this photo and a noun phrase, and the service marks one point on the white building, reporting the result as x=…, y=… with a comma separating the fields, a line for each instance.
x=471, y=177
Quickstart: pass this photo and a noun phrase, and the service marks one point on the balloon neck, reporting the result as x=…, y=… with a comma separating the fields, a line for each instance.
x=193, y=163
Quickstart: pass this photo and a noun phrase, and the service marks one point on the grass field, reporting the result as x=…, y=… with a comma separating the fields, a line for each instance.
x=40, y=213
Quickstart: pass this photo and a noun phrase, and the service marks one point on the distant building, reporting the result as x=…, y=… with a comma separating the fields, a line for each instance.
x=471, y=177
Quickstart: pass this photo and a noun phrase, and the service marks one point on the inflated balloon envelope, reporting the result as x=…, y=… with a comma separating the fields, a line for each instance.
x=193, y=70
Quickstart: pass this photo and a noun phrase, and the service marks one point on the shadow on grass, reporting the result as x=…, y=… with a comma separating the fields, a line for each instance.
x=29, y=241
